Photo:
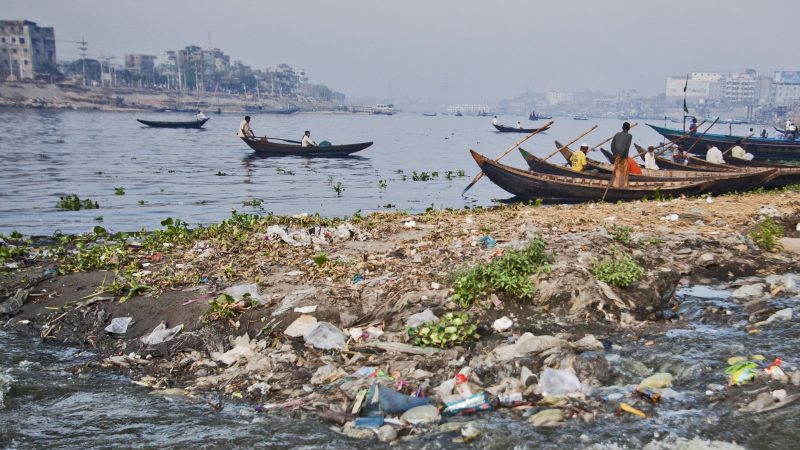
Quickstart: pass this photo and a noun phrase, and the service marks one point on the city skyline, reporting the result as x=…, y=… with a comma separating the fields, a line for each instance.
x=445, y=51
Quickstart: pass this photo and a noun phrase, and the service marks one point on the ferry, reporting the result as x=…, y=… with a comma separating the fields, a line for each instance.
x=384, y=108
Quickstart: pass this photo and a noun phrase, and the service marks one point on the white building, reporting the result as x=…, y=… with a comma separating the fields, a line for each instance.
x=704, y=89
x=468, y=109
x=556, y=97
x=739, y=88
x=27, y=51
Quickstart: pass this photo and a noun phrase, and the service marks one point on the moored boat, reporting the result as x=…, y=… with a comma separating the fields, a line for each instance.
x=263, y=146
x=505, y=129
x=163, y=124
x=760, y=148
x=531, y=186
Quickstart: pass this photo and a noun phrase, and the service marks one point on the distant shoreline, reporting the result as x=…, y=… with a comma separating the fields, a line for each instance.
x=84, y=98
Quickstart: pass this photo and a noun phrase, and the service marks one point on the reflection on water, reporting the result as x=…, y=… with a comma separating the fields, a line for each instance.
x=201, y=175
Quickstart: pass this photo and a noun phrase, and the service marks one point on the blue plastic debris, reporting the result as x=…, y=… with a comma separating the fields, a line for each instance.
x=487, y=241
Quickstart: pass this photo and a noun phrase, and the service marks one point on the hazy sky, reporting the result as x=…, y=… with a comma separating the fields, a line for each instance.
x=449, y=51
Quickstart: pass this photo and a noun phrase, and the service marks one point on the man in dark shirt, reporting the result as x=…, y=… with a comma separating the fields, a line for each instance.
x=620, y=146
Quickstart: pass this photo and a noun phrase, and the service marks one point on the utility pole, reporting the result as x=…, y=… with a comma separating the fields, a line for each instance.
x=82, y=46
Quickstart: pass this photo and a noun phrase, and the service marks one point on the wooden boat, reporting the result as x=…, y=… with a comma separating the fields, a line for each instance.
x=429, y=114
x=274, y=148
x=761, y=148
x=695, y=163
x=505, y=129
x=663, y=163
x=533, y=116
x=539, y=165
x=531, y=185
x=580, y=118
x=161, y=124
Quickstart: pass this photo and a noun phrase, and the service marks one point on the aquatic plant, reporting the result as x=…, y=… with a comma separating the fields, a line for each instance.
x=72, y=202
x=451, y=329
x=338, y=188
x=767, y=233
x=254, y=203
x=619, y=270
x=119, y=191
x=281, y=171
x=382, y=184
x=507, y=274
x=221, y=174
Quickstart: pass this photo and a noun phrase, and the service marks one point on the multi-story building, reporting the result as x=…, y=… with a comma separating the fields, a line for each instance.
x=140, y=63
x=27, y=51
x=556, y=97
x=785, y=88
x=739, y=88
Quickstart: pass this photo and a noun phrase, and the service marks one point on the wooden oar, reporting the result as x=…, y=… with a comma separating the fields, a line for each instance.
x=669, y=143
x=734, y=145
x=571, y=142
x=478, y=176
x=610, y=138
x=284, y=140
x=701, y=136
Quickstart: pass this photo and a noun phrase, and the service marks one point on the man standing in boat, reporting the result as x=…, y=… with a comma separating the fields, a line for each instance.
x=494, y=120
x=620, y=146
x=519, y=125
x=307, y=141
x=201, y=116
x=244, y=129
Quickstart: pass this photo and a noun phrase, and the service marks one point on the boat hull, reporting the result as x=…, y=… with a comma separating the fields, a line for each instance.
x=161, y=124
x=760, y=148
x=276, y=149
x=505, y=129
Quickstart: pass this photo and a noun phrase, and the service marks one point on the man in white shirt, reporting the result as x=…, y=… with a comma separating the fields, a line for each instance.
x=494, y=120
x=307, y=141
x=650, y=159
x=737, y=151
x=201, y=116
x=714, y=155
x=244, y=129
x=519, y=125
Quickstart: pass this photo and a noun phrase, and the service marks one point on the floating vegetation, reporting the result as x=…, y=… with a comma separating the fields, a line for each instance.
x=119, y=191
x=72, y=202
x=221, y=174
x=281, y=171
x=254, y=203
x=142, y=202
x=339, y=188
x=382, y=184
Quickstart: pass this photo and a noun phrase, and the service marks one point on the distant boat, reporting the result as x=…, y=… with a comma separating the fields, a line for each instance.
x=505, y=129
x=286, y=110
x=482, y=114
x=273, y=148
x=429, y=114
x=533, y=116
x=162, y=124
x=458, y=114
x=580, y=118
x=384, y=108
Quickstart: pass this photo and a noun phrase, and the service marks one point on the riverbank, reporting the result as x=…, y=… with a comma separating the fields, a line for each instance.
x=361, y=282
x=76, y=97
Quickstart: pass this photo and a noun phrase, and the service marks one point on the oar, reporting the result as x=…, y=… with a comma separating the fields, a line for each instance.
x=734, y=145
x=284, y=140
x=669, y=143
x=610, y=138
x=701, y=136
x=478, y=176
x=571, y=142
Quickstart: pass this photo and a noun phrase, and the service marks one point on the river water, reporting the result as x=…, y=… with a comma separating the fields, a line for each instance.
x=46, y=406
x=201, y=175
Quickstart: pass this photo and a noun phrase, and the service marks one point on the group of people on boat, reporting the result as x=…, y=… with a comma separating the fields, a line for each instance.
x=497, y=122
x=624, y=165
x=245, y=131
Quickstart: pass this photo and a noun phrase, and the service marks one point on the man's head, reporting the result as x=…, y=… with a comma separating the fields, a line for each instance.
x=584, y=147
x=681, y=148
x=626, y=126
x=650, y=149
x=307, y=133
x=247, y=118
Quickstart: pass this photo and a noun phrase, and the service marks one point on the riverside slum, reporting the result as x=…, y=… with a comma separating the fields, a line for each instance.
x=393, y=325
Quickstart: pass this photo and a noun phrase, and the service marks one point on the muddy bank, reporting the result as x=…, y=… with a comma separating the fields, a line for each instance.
x=371, y=278
x=76, y=97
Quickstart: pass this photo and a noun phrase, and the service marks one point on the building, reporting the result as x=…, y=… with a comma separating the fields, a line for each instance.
x=739, y=88
x=144, y=64
x=468, y=109
x=785, y=88
x=556, y=97
x=696, y=88
x=27, y=51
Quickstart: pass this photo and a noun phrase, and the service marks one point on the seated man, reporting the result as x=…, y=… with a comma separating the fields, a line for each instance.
x=244, y=129
x=494, y=120
x=650, y=159
x=737, y=151
x=680, y=156
x=201, y=116
x=307, y=141
x=714, y=155
x=578, y=159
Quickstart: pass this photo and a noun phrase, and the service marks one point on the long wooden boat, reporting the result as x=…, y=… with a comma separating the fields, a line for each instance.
x=505, y=129
x=760, y=148
x=531, y=185
x=663, y=163
x=539, y=165
x=162, y=124
x=695, y=163
x=274, y=148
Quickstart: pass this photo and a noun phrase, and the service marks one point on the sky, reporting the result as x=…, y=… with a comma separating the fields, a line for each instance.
x=444, y=51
